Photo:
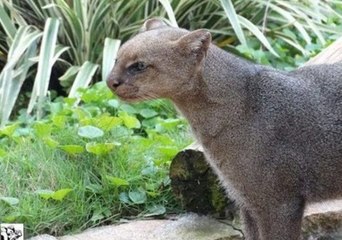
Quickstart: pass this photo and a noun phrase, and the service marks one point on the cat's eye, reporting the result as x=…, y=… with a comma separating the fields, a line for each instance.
x=137, y=67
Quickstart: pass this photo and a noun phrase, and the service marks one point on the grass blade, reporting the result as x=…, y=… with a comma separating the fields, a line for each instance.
x=258, y=34
x=110, y=50
x=170, y=13
x=83, y=78
x=45, y=64
x=234, y=20
x=293, y=21
x=22, y=49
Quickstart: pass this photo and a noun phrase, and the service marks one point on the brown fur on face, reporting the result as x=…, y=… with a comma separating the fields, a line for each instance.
x=180, y=52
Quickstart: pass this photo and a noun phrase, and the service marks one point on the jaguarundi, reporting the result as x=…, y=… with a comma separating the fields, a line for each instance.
x=273, y=137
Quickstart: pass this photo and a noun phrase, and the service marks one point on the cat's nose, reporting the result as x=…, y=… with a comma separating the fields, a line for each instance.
x=113, y=82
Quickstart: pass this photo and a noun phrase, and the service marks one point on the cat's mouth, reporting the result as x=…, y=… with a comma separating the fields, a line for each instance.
x=128, y=93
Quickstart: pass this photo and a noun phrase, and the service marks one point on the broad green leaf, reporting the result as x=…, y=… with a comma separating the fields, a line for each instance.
x=138, y=196
x=10, y=200
x=130, y=121
x=111, y=47
x=117, y=182
x=90, y=132
x=100, y=148
x=128, y=108
x=42, y=129
x=148, y=113
x=61, y=194
x=234, y=20
x=113, y=103
x=155, y=210
x=167, y=124
x=45, y=193
x=72, y=149
x=97, y=215
x=59, y=120
x=50, y=142
x=107, y=122
x=9, y=130
x=123, y=197
x=22, y=132
x=169, y=151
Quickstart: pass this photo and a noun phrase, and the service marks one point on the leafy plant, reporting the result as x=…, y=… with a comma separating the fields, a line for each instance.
x=88, y=29
x=89, y=164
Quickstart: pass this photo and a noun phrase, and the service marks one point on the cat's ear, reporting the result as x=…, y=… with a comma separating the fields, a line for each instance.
x=196, y=42
x=152, y=23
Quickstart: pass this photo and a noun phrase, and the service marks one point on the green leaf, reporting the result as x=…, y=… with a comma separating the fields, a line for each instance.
x=100, y=148
x=130, y=121
x=123, y=197
x=128, y=108
x=90, y=132
x=155, y=210
x=148, y=113
x=45, y=193
x=42, y=129
x=113, y=103
x=97, y=215
x=59, y=120
x=61, y=194
x=169, y=151
x=9, y=130
x=117, y=182
x=50, y=142
x=138, y=196
x=167, y=124
x=10, y=200
x=72, y=149
x=107, y=122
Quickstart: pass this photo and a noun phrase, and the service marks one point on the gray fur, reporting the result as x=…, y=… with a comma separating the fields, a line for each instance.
x=274, y=138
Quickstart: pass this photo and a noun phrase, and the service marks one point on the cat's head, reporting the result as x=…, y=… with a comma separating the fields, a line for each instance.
x=159, y=62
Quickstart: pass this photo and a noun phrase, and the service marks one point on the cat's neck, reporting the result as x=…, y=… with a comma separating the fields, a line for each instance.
x=222, y=83
x=219, y=97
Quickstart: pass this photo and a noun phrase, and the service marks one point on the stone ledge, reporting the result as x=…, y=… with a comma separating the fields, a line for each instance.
x=321, y=221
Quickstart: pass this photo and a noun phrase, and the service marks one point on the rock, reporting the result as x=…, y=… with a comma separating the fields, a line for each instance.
x=323, y=221
x=187, y=227
x=43, y=237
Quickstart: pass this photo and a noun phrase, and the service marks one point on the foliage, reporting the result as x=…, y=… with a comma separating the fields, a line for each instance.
x=88, y=29
x=83, y=166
